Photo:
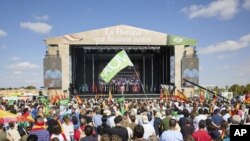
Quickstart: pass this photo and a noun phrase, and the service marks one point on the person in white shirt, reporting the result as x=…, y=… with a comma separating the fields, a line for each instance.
x=148, y=128
x=13, y=132
x=197, y=119
x=68, y=128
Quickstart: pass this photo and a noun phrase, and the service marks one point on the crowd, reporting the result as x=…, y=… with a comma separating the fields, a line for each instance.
x=137, y=120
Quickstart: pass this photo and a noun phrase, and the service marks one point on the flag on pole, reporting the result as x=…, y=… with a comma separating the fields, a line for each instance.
x=79, y=100
x=180, y=95
x=117, y=63
x=121, y=99
x=64, y=102
x=110, y=97
x=43, y=100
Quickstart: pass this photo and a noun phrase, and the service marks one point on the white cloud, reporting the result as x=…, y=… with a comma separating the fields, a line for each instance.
x=2, y=33
x=224, y=9
x=229, y=45
x=38, y=27
x=42, y=18
x=17, y=73
x=15, y=58
x=23, y=66
x=3, y=47
x=246, y=4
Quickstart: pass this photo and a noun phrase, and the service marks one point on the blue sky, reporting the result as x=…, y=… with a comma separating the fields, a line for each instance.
x=222, y=28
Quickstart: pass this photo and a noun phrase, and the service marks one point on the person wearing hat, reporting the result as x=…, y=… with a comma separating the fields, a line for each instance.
x=149, y=128
x=118, y=129
x=158, y=125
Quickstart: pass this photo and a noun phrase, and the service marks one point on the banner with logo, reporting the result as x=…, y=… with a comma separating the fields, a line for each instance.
x=119, y=62
x=179, y=40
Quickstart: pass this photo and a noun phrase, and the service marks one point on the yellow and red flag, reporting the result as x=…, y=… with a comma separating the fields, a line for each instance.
x=79, y=100
x=180, y=95
x=110, y=97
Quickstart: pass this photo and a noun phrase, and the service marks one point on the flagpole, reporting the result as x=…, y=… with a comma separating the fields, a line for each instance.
x=140, y=83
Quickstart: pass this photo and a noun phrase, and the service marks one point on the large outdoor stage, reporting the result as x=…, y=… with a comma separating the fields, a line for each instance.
x=73, y=62
x=151, y=68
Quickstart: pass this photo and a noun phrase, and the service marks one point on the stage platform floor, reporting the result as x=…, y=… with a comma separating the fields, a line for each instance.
x=126, y=96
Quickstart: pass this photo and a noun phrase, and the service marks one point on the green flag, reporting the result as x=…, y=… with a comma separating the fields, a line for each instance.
x=179, y=40
x=64, y=102
x=120, y=100
x=43, y=100
x=119, y=62
x=123, y=110
x=10, y=102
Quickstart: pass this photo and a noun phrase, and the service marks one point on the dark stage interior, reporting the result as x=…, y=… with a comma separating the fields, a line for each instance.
x=152, y=65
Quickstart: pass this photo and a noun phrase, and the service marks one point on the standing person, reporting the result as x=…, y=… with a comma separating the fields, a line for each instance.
x=188, y=129
x=202, y=134
x=138, y=133
x=40, y=130
x=182, y=120
x=149, y=129
x=68, y=128
x=52, y=122
x=158, y=125
x=166, y=120
x=88, y=130
x=97, y=118
x=217, y=118
x=118, y=129
x=197, y=119
x=172, y=134
x=104, y=128
x=13, y=132
x=57, y=132
x=3, y=135
x=32, y=138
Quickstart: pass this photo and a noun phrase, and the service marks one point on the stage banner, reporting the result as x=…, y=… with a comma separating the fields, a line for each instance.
x=179, y=40
x=117, y=63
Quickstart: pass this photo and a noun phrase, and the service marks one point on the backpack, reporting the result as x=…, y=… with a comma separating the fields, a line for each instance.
x=21, y=131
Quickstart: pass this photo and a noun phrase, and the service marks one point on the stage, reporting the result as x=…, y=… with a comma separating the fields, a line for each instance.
x=80, y=58
x=126, y=96
x=151, y=68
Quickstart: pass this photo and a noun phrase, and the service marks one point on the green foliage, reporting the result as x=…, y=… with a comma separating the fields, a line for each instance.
x=30, y=87
x=239, y=89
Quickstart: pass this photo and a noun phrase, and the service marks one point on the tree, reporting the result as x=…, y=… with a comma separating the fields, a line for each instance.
x=30, y=87
x=237, y=89
x=247, y=89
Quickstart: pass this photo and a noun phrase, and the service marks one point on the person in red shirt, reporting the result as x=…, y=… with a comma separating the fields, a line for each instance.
x=202, y=134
